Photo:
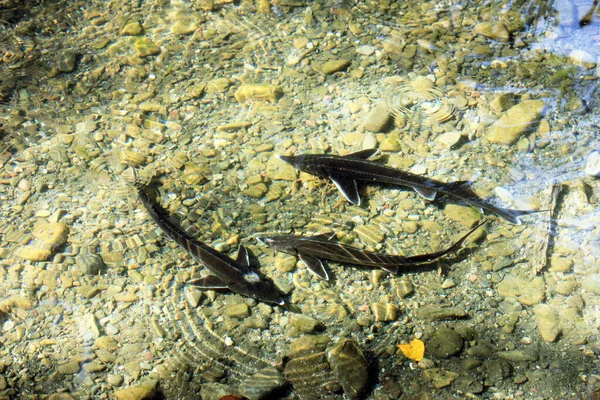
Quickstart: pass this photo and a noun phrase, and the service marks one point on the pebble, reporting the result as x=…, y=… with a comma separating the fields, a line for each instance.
x=405, y=288
x=67, y=61
x=335, y=65
x=256, y=191
x=440, y=378
x=444, y=343
x=480, y=350
x=438, y=313
x=560, y=264
x=305, y=324
x=377, y=119
x=263, y=385
x=51, y=233
x=93, y=367
x=350, y=367
x=132, y=29
x=502, y=102
x=410, y=226
x=115, y=379
x=184, y=26
x=145, y=47
x=496, y=371
x=496, y=30
x=107, y=343
x=448, y=283
x=69, y=368
x=464, y=215
x=591, y=284
x=146, y=391
x=592, y=164
x=449, y=139
x=468, y=384
x=369, y=234
x=566, y=288
x=518, y=355
x=503, y=248
x=88, y=327
x=193, y=297
x=391, y=144
x=386, y=312
x=582, y=58
x=547, y=321
x=365, y=50
x=90, y=264
x=240, y=310
x=258, y=91
x=515, y=122
x=280, y=170
x=32, y=253
x=369, y=141
x=528, y=292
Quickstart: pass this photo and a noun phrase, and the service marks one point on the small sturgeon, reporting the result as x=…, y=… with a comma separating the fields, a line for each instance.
x=344, y=171
x=312, y=249
x=227, y=273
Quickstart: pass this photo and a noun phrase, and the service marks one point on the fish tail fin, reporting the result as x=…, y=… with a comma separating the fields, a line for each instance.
x=460, y=241
x=514, y=216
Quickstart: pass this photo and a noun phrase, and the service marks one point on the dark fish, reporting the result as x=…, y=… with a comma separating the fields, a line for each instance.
x=345, y=171
x=227, y=273
x=313, y=249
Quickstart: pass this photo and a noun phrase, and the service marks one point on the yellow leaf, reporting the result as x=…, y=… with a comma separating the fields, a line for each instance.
x=413, y=350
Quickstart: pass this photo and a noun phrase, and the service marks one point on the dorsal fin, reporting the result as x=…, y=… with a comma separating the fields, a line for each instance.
x=460, y=188
x=243, y=256
x=362, y=154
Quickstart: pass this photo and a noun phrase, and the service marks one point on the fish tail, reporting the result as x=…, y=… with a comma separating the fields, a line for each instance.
x=460, y=241
x=514, y=216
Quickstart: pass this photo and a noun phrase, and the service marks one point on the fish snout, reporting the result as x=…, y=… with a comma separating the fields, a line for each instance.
x=287, y=159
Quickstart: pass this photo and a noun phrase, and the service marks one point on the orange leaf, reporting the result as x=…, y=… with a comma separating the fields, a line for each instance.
x=413, y=350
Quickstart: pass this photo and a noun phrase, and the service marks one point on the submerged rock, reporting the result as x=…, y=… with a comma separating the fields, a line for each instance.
x=350, y=367
x=547, y=321
x=444, y=343
x=264, y=384
x=514, y=123
x=377, y=119
x=311, y=376
x=495, y=31
x=527, y=292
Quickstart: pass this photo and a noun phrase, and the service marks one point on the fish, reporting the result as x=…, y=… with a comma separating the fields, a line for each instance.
x=313, y=249
x=345, y=171
x=226, y=273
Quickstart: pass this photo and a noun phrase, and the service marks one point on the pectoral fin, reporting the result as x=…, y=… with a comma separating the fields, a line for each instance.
x=426, y=192
x=390, y=269
x=325, y=236
x=315, y=266
x=348, y=188
x=208, y=282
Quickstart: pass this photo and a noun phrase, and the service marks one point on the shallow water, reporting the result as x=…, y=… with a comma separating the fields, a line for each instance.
x=93, y=296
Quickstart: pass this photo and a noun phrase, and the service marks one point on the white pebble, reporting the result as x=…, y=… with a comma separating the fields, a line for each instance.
x=592, y=164
x=365, y=50
x=503, y=194
x=418, y=170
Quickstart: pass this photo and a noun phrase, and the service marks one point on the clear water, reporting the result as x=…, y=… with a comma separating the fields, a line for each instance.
x=93, y=296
